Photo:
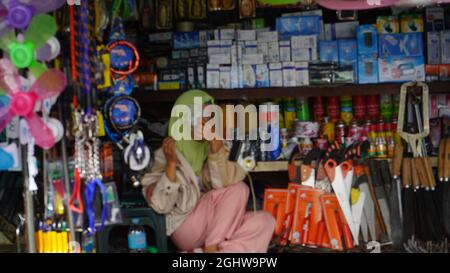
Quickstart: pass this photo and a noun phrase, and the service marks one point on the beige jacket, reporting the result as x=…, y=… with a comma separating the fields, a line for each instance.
x=178, y=199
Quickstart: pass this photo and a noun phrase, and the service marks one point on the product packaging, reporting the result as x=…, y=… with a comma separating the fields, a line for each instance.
x=341, y=30
x=388, y=24
x=401, y=69
x=289, y=74
x=262, y=75
x=367, y=69
x=367, y=39
x=213, y=76
x=329, y=51
x=433, y=48
x=276, y=74
x=298, y=25
x=411, y=23
x=400, y=44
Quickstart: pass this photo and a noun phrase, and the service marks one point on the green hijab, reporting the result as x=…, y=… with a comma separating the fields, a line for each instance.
x=195, y=152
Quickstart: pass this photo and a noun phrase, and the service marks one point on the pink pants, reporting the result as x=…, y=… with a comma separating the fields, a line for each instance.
x=220, y=218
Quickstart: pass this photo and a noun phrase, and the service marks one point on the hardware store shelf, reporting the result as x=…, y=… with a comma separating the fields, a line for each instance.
x=281, y=166
x=288, y=92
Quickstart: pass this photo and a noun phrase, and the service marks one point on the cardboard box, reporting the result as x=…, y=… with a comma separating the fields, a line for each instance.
x=289, y=74
x=285, y=51
x=225, y=77
x=304, y=41
x=213, y=47
x=434, y=19
x=273, y=52
x=221, y=58
x=225, y=34
x=401, y=69
x=298, y=25
x=204, y=37
x=225, y=46
x=400, y=44
x=262, y=75
x=186, y=40
x=445, y=47
x=388, y=24
x=246, y=34
x=432, y=72
x=301, y=73
x=329, y=51
x=348, y=52
x=234, y=76
x=367, y=39
x=213, y=76
x=248, y=76
x=267, y=36
x=444, y=72
x=341, y=30
x=433, y=48
x=252, y=59
x=367, y=69
x=276, y=74
x=201, y=82
x=263, y=49
x=304, y=54
x=251, y=47
x=411, y=23
x=316, y=12
x=161, y=37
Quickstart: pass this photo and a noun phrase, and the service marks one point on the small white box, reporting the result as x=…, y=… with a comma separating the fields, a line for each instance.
x=263, y=50
x=225, y=77
x=289, y=74
x=234, y=54
x=234, y=76
x=267, y=36
x=225, y=34
x=212, y=76
x=433, y=48
x=252, y=59
x=304, y=41
x=276, y=75
x=341, y=30
x=221, y=58
x=445, y=47
x=225, y=46
x=251, y=47
x=301, y=73
x=262, y=75
x=273, y=52
x=204, y=37
x=213, y=47
x=285, y=51
x=246, y=35
x=248, y=76
x=304, y=54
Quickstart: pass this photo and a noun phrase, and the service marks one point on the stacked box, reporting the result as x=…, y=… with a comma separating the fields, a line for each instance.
x=276, y=74
x=341, y=30
x=329, y=51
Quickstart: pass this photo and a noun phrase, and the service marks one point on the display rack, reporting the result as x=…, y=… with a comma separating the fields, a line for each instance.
x=150, y=97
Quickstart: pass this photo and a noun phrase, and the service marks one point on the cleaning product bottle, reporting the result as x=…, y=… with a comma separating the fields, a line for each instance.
x=137, y=240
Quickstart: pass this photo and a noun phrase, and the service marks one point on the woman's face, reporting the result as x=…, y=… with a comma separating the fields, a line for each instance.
x=198, y=130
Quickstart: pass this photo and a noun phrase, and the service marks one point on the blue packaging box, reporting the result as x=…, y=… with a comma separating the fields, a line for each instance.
x=400, y=44
x=401, y=69
x=367, y=39
x=367, y=69
x=329, y=51
x=298, y=25
x=348, y=54
x=186, y=40
x=348, y=51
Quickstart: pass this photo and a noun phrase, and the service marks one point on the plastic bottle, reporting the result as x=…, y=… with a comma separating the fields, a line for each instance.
x=137, y=240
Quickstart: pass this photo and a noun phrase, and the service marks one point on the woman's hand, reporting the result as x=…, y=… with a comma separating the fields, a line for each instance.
x=170, y=150
x=171, y=157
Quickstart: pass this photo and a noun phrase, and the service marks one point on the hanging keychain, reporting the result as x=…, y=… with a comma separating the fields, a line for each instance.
x=94, y=176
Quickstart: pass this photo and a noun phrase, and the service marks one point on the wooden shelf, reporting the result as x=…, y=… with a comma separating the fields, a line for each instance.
x=288, y=92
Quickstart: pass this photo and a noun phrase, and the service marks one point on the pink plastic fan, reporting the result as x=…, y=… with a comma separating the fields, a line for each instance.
x=18, y=13
x=22, y=103
x=22, y=49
